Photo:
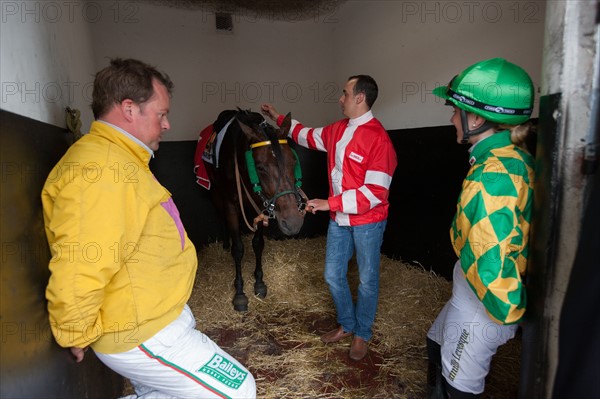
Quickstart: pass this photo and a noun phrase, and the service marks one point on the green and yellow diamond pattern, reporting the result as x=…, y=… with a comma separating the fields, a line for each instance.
x=491, y=226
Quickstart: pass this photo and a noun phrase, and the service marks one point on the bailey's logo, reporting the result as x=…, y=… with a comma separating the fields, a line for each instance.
x=224, y=371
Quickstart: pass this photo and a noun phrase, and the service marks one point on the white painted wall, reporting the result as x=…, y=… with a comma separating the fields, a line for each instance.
x=409, y=47
x=46, y=61
x=288, y=64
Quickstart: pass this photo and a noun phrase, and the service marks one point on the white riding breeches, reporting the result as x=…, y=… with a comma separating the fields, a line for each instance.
x=468, y=337
x=181, y=362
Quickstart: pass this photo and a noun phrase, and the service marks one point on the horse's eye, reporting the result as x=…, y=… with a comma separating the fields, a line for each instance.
x=261, y=169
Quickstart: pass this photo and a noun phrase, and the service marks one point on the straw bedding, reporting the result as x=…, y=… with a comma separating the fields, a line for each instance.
x=278, y=338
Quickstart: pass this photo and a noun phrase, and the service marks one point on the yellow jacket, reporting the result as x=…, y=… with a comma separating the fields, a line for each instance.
x=122, y=266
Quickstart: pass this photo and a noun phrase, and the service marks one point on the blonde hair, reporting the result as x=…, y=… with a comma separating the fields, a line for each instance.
x=518, y=133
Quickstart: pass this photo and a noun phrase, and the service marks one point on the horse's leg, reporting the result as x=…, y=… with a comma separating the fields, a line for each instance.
x=240, y=300
x=216, y=199
x=258, y=244
x=226, y=239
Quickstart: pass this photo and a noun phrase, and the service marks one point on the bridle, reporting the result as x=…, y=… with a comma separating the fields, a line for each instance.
x=269, y=203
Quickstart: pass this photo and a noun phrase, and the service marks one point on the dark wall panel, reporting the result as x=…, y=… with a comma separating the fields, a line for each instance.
x=32, y=365
x=543, y=247
x=579, y=347
x=425, y=187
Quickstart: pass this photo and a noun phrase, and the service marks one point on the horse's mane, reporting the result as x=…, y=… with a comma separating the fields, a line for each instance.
x=253, y=120
x=223, y=118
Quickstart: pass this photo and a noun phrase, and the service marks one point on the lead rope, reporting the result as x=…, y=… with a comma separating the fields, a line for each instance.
x=239, y=183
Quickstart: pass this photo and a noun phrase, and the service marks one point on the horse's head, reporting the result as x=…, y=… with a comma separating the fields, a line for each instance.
x=274, y=170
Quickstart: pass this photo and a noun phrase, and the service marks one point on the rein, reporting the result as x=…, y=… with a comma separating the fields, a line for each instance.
x=239, y=184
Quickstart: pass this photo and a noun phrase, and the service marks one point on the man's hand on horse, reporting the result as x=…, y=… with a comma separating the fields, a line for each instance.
x=270, y=111
x=262, y=217
x=315, y=205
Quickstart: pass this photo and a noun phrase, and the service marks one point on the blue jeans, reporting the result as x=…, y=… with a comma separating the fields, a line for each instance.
x=342, y=241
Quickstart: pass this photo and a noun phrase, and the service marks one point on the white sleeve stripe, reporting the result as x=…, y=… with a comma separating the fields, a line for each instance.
x=292, y=126
x=343, y=219
x=379, y=178
x=349, y=202
x=318, y=139
x=373, y=200
x=303, y=136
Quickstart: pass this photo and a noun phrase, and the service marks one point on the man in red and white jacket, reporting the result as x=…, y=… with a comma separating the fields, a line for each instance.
x=361, y=161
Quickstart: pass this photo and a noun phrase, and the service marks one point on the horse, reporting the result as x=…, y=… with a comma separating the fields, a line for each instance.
x=250, y=153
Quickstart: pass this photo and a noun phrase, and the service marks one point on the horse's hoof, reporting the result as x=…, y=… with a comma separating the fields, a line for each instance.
x=260, y=290
x=240, y=303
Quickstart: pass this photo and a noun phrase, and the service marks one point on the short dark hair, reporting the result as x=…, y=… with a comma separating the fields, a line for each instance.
x=125, y=79
x=367, y=85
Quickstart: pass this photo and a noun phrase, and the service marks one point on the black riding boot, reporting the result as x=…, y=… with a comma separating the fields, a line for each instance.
x=454, y=393
x=436, y=382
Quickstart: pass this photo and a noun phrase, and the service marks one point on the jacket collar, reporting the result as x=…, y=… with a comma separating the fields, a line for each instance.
x=122, y=139
x=496, y=140
x=361, y=120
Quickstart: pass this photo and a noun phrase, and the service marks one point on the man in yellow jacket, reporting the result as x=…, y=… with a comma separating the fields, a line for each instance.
x=123, y=267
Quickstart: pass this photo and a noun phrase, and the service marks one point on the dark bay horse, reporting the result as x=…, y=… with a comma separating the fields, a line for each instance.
x=257, y=173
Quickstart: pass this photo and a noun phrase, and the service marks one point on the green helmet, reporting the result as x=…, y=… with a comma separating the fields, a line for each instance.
x=495, y=89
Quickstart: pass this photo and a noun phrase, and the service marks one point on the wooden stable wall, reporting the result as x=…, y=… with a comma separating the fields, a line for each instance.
x=32, y=365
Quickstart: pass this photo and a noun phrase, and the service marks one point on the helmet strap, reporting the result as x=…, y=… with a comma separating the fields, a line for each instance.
x=467, y=133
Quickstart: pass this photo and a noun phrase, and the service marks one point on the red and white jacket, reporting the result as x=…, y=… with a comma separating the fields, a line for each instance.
x=361, y=161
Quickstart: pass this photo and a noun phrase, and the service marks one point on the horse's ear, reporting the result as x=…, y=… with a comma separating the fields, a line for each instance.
x=248, y=132
x=286, y=124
